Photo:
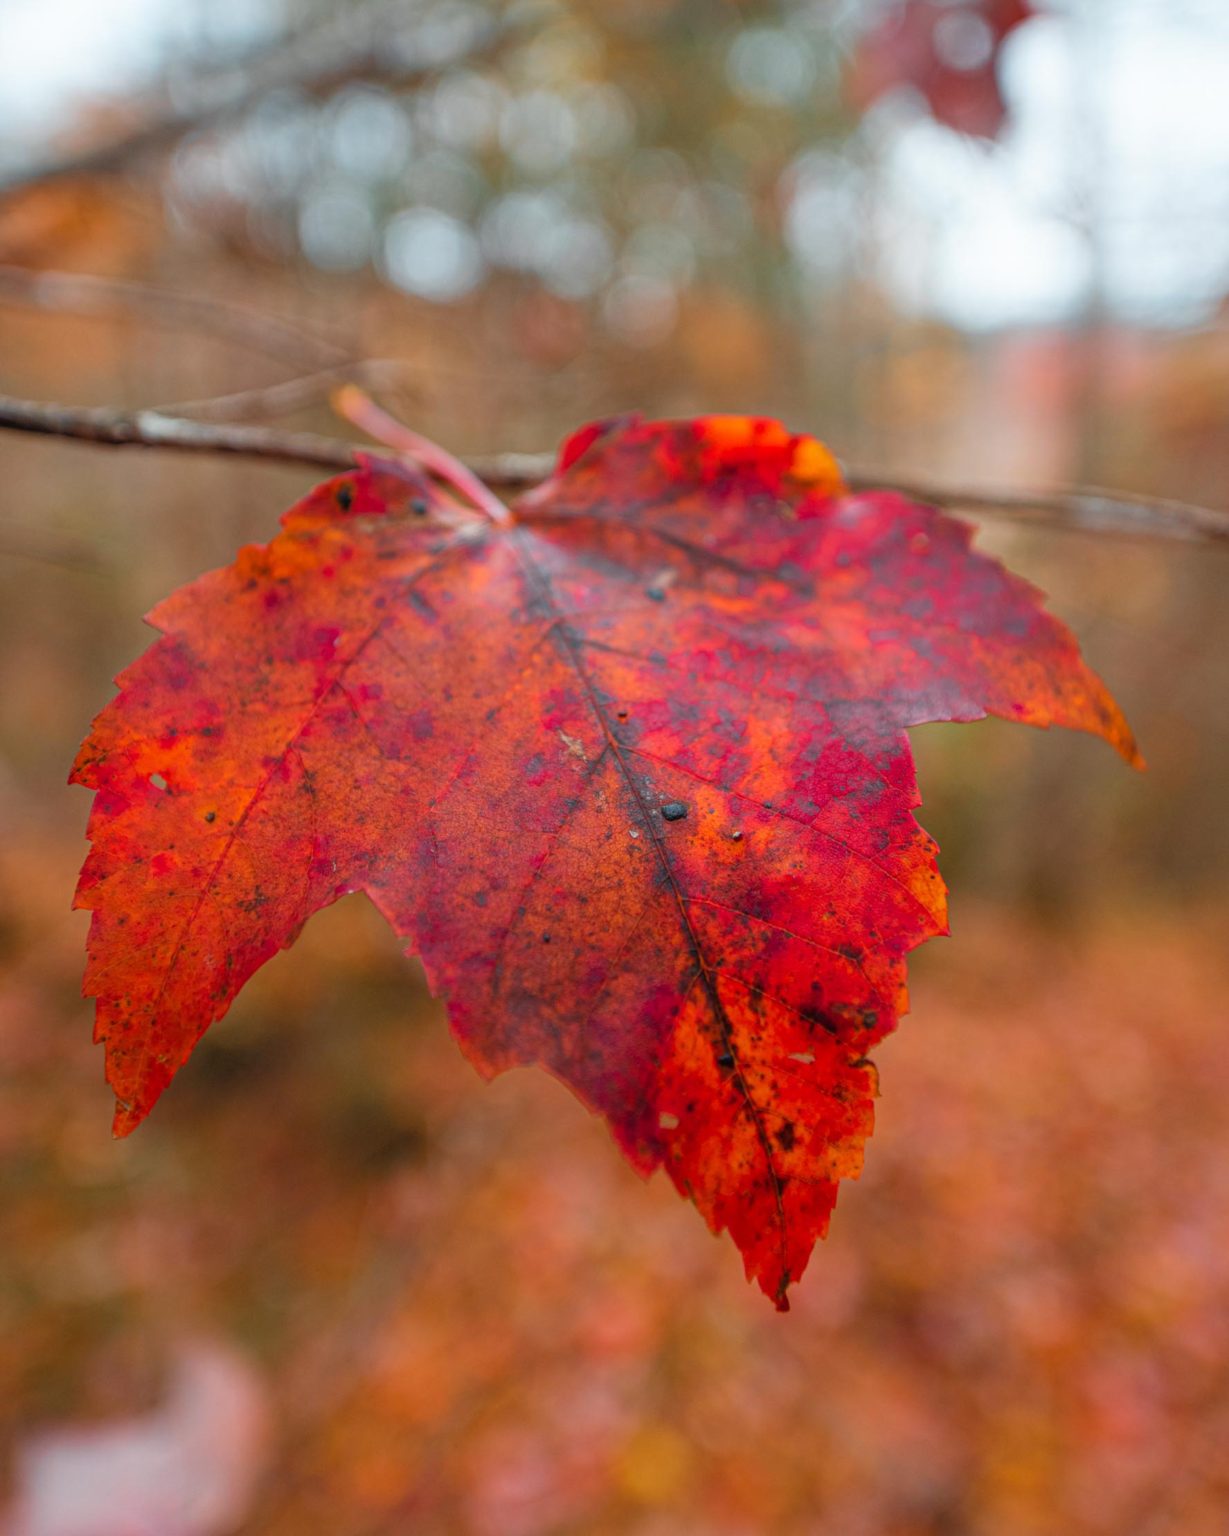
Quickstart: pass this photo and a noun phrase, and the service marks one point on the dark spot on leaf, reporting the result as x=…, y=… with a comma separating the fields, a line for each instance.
x=418, y=507
x=674, y=810
x=345, y=497
x=211, y=815
x=725, y=1061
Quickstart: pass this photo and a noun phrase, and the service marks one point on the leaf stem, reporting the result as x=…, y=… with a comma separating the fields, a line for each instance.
x=361, y=411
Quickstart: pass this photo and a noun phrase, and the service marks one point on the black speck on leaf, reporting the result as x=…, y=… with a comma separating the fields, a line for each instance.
x=674, y=810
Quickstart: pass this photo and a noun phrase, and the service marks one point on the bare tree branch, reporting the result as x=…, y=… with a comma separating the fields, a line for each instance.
x=1077, y=508
x=1080, y=508
x=357, y=43
x=512, y=471
x=151, y=429
x=1085, y=508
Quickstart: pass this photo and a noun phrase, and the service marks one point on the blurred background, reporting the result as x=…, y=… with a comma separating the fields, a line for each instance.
x=337, y=1285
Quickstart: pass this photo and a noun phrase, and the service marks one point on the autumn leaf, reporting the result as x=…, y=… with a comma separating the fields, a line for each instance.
x=947, y=52
x=629, y=773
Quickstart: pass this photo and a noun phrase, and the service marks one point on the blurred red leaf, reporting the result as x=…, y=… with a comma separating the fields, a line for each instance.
x=629, y=774
x=949, y=52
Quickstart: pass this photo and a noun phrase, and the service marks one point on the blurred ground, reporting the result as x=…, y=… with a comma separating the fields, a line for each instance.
x=461, y=1313
x=339, y=1286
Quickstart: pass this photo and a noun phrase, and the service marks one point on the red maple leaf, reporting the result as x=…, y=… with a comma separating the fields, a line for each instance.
x=947, y=51
x=628, y=773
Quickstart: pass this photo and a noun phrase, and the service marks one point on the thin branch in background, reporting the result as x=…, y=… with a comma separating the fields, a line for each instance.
x=1076, y=509
x=308, y=349
x=66, y=554
x=294, y=394
x=357, y=43
x=1086, y=508
x=78, y=294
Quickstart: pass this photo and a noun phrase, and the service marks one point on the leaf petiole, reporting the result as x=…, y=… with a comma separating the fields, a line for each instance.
x=360, y=410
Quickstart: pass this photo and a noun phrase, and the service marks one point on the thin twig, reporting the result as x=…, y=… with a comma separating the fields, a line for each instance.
x=294, y=394
x=357, y=44
x=151, y=429
x=1086, y=508
x=511, y=471
x=67, y=554
x=80, y=294
x=307, y=348
x=1079, y=509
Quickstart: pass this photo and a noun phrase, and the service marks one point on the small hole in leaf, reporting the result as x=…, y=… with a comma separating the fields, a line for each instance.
x=667, y=1122
x=157, y=781
x=805, y=1057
